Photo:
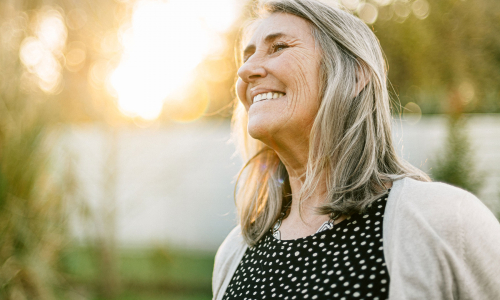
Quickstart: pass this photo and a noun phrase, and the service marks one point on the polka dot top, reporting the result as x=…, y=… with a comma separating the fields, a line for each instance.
x=345, y=262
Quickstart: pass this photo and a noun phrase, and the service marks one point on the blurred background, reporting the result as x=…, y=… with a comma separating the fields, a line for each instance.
x=117, y=169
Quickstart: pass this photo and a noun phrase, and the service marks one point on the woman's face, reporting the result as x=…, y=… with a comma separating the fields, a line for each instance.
x=279, y=81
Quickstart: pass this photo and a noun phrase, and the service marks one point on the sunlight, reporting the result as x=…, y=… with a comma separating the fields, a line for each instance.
x=40, y=53
x=162, y=46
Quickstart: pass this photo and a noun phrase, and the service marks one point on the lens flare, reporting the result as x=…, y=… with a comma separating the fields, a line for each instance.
x=164, y=43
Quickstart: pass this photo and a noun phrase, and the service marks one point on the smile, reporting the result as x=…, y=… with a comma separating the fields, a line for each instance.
x=267, y=96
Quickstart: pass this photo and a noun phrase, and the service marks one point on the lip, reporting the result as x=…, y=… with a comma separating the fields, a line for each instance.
x=255, y=91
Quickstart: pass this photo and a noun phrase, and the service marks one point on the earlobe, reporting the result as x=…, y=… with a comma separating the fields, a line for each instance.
x=362, y=79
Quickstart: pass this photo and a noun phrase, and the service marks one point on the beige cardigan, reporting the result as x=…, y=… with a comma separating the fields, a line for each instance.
x=440, y=242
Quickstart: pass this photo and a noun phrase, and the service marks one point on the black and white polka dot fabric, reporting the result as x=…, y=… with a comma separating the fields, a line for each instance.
x=345, y=262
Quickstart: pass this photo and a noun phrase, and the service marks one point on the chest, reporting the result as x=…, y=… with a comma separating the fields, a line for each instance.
x=346, y=261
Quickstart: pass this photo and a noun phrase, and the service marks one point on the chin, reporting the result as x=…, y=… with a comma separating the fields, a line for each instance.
x=261, y=130
x=257, y=130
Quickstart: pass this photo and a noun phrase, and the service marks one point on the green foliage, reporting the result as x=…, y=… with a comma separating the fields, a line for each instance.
x=146, y=273
x=455, y=165
x=31, y=209
x=454, y=50
x=32, y=217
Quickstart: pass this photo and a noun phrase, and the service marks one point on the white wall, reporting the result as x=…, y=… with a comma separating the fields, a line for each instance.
x=174, y=185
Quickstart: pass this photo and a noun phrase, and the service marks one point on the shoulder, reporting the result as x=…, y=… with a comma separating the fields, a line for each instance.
x=433, y=200
x=433, y=216
x=442, y=237
x=227, y=259
x=231, y=244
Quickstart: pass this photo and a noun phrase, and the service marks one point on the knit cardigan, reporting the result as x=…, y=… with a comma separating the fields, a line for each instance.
x=440, y=242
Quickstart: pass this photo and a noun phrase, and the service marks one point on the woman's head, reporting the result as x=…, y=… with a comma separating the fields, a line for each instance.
x=325, y=55
x=279, y=80
x=334, y=84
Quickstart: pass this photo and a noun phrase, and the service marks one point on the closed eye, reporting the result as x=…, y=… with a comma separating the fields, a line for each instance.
x=274, y=48
x=278, y=47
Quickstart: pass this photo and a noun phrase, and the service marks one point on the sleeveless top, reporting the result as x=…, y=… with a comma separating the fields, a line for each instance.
x=345, y=262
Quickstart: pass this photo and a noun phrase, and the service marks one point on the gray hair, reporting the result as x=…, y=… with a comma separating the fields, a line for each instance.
x=351, y=143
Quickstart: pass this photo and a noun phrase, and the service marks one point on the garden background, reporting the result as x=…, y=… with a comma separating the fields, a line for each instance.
x=117, y=169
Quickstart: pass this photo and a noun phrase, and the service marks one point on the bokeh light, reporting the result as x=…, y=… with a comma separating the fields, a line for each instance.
x=383, y=2
x=75, y=56
x=41, y=53
x=412, y=113
x=163, y=44
x=51, y=30
x=368, y=13
x=466, y=90
x=350, y=4
x=76, y=19
x=420, y=9
x=402, y=10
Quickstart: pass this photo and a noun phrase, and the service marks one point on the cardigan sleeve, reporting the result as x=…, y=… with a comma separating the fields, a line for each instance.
x=440, y=243
x=226, y=261
x=480, y=243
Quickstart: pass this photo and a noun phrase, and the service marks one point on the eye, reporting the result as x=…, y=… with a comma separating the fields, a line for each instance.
x=278, y=47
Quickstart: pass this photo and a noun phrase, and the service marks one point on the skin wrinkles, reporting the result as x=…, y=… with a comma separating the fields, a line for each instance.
x=284, y=124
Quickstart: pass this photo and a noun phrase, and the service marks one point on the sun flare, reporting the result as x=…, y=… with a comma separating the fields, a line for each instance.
x=163, y=44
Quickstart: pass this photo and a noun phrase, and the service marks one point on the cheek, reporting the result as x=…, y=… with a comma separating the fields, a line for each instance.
x=300, y=73
x=241, y=90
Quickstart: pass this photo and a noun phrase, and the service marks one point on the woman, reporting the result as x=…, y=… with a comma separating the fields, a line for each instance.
x=326, y=208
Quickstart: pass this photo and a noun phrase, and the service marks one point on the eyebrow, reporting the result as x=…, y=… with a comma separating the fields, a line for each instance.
x=268, y=39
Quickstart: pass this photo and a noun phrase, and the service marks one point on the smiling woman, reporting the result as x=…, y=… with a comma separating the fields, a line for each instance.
x=284, y=63
x=326, y=208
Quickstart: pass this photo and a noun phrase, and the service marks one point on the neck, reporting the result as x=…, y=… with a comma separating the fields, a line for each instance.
x=295, y=161
x=307, y=222
x=309, y=204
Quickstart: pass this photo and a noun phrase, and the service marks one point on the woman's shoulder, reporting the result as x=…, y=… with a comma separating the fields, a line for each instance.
x=232, y=243
x=434, y=229
x=441, y=216
x=227, y=259
x=433, y=200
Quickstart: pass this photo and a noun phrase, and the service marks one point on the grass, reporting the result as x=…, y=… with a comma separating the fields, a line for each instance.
x=147, y=274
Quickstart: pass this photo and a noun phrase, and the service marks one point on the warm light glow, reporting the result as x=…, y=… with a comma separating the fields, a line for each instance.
x=75, y=56
x=350, y=4
x=162, y=46
x=40, y=53
x=368, y=13
x=420, y=8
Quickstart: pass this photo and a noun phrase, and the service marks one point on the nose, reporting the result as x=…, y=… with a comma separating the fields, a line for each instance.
x=252, y=69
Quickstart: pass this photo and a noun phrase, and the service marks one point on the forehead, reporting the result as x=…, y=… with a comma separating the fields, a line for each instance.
x=287, y=24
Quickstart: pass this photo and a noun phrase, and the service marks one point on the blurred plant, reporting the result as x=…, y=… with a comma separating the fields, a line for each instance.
x=105, y=244
x=32, y=197
x=33, y=190
x=455, y=164
x=437, y=47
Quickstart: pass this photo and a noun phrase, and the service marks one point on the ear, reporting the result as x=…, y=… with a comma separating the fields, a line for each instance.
x=362, y=79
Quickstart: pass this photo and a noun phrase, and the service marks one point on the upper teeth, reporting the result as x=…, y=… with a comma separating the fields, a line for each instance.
x=265, y=96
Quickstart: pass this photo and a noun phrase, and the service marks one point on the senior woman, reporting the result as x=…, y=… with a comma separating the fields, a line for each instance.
x=326, y=208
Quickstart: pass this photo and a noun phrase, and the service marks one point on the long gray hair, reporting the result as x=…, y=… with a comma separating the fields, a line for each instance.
x=350, y=143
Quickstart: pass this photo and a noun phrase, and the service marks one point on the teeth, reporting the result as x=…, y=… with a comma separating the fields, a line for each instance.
x=266, y=96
